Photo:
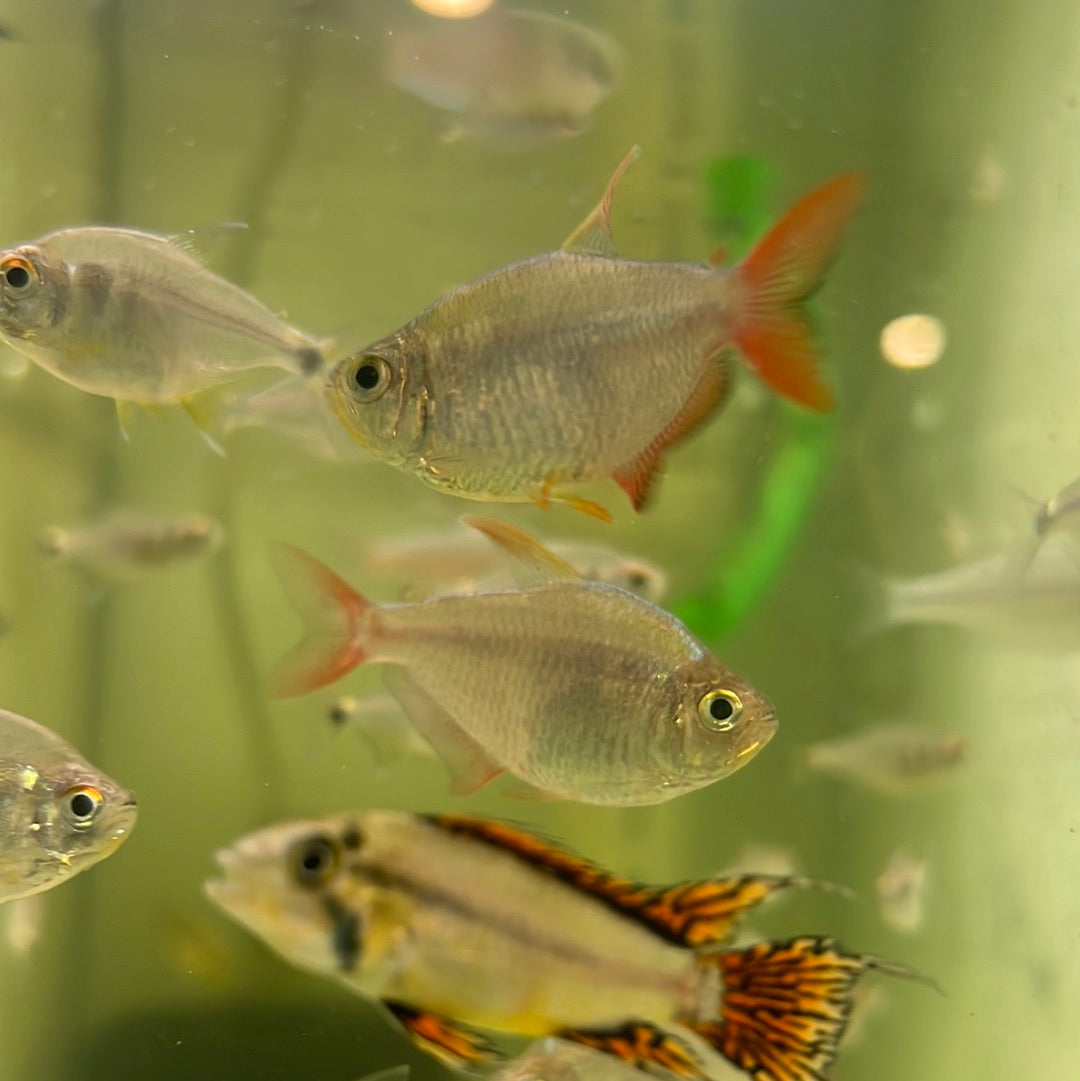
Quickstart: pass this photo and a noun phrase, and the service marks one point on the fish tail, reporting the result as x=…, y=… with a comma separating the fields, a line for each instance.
x=784, y=1006
x=333, y=614
x=770, y=328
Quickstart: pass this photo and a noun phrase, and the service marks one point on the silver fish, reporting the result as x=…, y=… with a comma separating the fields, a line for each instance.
x=133, y=316
x=59, y=814
x=577, y=365
x=894, y=759
x=511, y=77
x=901, y=892
x=124, y=545
x=452, y=921
x=1034, y=603
x=578, y=690
x=380, y=722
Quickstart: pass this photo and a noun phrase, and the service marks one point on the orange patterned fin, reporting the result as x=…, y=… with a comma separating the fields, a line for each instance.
x=443, y=1038
x=641, y=1045
x=692, y=914
x=784, y=1006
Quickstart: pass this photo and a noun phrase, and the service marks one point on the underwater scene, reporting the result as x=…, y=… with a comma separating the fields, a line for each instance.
x=539, y=541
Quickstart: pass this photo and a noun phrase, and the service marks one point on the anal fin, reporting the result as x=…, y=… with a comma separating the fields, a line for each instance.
x=445, y=1039
x=470, y=766
x=641, y=1045
x=636, y=476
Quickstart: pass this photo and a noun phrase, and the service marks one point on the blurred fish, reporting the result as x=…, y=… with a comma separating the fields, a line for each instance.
x=1057, y=517
x=452, y=921
x=379, y=720
x=579, y=690
x=896, y=760
x=552, y=1059
x=578, y=365
x=124, y=545
x=134, y=317
x=510, y=77
x=1034, y=603
x=460, y=561
x=901, y=892
x=59, y=814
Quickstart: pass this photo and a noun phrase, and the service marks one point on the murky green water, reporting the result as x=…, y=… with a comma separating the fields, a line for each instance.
x=166, y=115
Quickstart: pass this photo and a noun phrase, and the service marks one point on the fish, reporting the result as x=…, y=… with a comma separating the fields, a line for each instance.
x=552, y=1059
x=892, y=759
x=59, y=815
x=1014, y=596
x=452, y=922
x=576, y=689
x=901, y=892
x=578, y=365
x=123, y=545
x=135, y=317
x=516, y=78
x=460, y=561
x=379, y=720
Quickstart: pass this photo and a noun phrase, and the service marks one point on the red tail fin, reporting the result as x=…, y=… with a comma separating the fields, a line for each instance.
x=784, y=1006
x=785, y=268
x=331, y=610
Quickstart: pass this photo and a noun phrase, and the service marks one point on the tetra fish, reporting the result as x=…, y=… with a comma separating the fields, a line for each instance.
x=577, y=689
x=453, y=921
x=578, y=365
x=135, y=317
x=59, y=814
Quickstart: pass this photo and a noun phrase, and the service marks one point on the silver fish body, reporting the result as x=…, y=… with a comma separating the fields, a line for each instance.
x=59, y=814
x=133, y=316
x=578, y=689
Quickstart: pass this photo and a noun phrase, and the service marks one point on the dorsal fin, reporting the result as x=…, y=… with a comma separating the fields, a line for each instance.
x=691, y=914
x=593, y=235
x=533, y=563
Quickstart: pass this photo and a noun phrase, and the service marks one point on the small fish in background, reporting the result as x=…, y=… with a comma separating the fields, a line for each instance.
x=453, y=921
x=135, y=317
x=59, y=815
x=576, y=689
x=894, y=759
x=901, y=892
x=125, y=545
x=578, y=365
x=379, y=720
x=515, y=78
x=1059, y=517
x=1018, y=597
x=459, y=560
x=552, y=1059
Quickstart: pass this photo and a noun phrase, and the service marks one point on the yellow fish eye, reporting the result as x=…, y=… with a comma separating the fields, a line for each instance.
x=314, y=860
x=82, y=803
x=369, y=378
x=720, y=709
x=17, y=272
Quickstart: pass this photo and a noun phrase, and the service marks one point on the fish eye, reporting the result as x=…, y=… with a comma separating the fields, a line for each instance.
x=719, y=710
x=17, y=272
x=370, y=378
x=82, y=804
x=313, y=860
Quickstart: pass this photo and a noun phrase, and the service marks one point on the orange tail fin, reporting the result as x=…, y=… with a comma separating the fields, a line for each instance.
x=332, y=612
x=785, y=1005
x=784, y=270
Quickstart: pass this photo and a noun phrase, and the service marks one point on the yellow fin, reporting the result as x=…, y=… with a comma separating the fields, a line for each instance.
x=533, y=563
x=593, y=235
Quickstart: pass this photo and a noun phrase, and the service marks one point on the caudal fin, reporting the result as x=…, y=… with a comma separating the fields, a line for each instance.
x=787, y=266
x=332, y=612
x=784, y=1005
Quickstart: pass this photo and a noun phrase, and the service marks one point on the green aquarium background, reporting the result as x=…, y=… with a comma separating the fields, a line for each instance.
x=174, y=114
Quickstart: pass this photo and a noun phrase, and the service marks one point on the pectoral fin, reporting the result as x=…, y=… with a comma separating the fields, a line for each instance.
x=470, y=766
x=445, y=1039
x=593, y=235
